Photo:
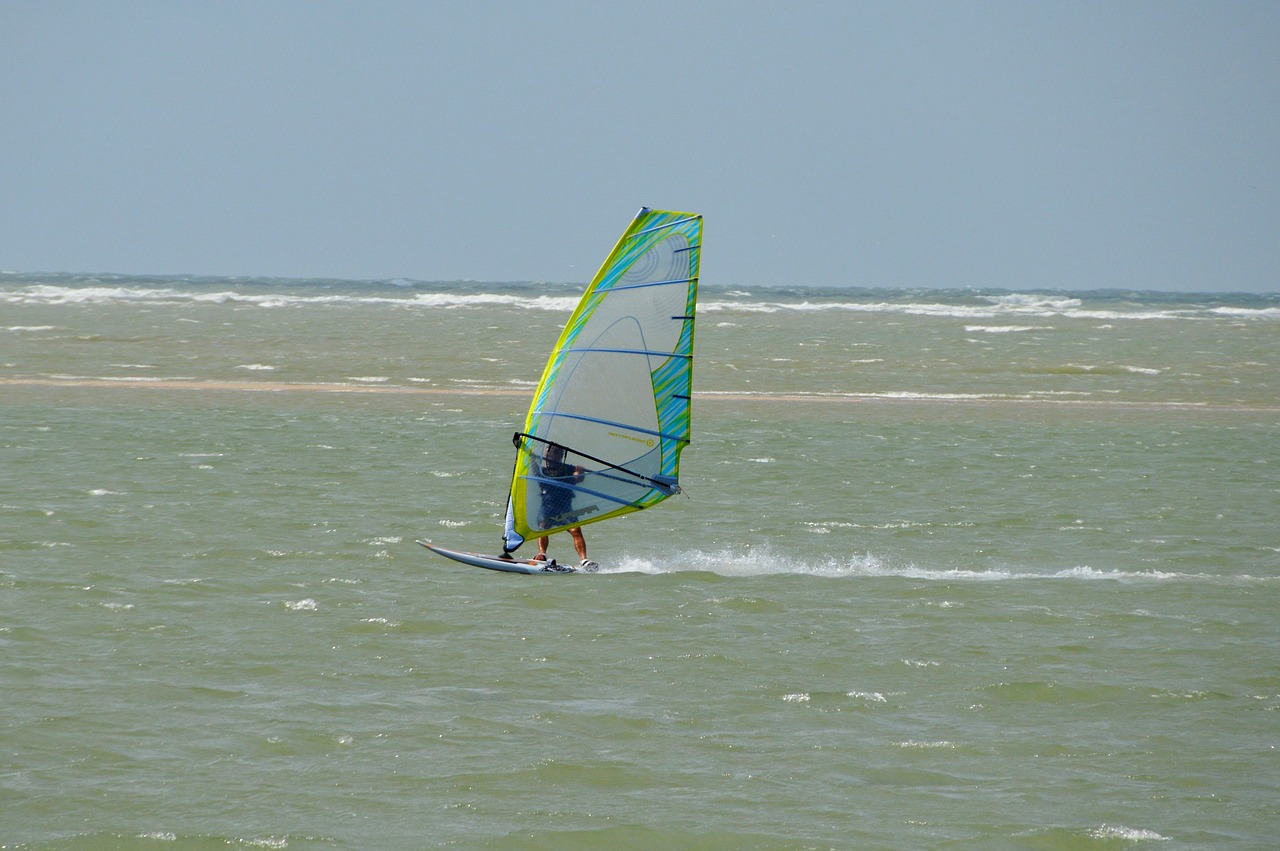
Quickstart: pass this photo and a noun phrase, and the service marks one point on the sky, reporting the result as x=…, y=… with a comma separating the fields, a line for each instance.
x=828, y=143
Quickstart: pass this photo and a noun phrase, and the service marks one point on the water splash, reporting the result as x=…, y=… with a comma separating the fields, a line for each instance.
x=765, y=561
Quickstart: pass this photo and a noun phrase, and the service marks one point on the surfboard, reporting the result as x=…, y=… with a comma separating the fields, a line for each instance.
x=506, y=565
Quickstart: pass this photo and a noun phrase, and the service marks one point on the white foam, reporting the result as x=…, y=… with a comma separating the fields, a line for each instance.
x=1248, y=312
x=1128, y=834
x=1004, y=329
x=997, y=306
x=1034, y=301
x=872, y=696
x=764, y=561
x=971, y=306
x=91, y=295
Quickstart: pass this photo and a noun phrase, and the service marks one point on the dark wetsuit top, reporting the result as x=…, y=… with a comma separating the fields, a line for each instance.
x=557, y=500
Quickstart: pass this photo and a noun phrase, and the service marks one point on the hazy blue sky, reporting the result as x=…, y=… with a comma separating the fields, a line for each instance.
x=950, y=144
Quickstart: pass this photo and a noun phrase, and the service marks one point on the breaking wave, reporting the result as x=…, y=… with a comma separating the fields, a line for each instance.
x=969, y=305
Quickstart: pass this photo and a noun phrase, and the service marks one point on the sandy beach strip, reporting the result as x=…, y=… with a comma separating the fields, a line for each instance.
x=710, y=396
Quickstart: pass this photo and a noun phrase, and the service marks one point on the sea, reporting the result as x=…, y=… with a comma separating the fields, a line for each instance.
x=951, y=570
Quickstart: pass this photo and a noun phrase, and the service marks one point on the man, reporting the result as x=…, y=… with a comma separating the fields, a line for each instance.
x=557, y=503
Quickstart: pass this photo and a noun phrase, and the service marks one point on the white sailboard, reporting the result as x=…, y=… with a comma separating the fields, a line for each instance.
x=504, y=563
x=612, y=413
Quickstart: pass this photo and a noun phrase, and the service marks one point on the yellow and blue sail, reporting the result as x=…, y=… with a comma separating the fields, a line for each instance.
x=611, y=414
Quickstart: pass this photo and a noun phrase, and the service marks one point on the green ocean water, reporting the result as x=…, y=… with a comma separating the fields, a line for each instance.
x=953, y=570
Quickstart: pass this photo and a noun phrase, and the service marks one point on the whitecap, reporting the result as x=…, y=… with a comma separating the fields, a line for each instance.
x=872, y=696
x=1033, y=301
x=1004, y=329
x=1128, y=834
x=1248, y=312
x=91, y=295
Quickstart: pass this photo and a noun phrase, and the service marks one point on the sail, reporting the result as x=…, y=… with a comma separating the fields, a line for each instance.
x=612, y=412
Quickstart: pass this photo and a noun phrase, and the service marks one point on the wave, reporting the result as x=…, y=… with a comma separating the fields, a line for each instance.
x=92, y=295
x=969, y=305
x=976, y=305
x=1004, y=329
x=1040, y=310
x=1247, y=312
x=1094, y=369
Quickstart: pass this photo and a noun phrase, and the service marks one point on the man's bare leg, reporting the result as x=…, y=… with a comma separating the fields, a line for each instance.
x=579, y=542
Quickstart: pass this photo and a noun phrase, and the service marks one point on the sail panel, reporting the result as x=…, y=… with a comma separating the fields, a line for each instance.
x=611, y=414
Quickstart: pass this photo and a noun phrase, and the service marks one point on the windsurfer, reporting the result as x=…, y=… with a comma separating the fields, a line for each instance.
x=557, y=501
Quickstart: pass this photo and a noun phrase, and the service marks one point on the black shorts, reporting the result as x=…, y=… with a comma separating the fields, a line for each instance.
x=557, y=507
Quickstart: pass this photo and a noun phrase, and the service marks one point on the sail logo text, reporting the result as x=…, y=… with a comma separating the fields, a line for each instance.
x=646, y=442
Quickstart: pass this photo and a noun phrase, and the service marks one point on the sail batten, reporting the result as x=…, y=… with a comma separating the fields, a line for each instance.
x=611, y=413
x=646, y=352
x=663, y=481
x=617, y=424
x=577, y=489
x=653, y=284
x=668, y=225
